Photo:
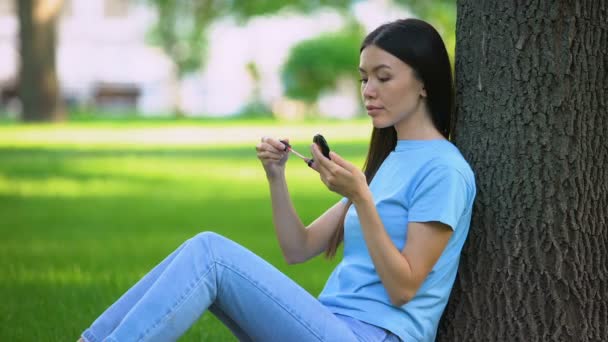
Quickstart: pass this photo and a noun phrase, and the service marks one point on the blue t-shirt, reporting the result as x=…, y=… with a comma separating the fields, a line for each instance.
x=420, y=181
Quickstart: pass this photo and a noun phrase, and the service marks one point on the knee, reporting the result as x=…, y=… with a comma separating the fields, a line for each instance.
x=214, y=245
x=208, y=241
x=206, y=237
x=201, y=246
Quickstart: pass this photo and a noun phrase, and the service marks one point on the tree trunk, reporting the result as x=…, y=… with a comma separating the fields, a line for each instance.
x=38, y=85
x=532, y=94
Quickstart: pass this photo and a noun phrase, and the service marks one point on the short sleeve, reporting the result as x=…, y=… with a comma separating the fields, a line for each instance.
x=441, y=195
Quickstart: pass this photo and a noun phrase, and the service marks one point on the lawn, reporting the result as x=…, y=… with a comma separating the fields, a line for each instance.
x=87, y=208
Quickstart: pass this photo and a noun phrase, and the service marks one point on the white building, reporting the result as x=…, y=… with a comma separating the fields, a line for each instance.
x=224, y=86
x=102, y=43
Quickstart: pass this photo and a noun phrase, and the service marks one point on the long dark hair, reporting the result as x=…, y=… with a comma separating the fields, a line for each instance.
x=420, y=46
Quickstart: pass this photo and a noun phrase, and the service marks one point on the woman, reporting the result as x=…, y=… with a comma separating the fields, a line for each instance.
x=403, y=221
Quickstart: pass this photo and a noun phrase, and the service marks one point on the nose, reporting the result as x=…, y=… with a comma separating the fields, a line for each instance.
x=368, y=90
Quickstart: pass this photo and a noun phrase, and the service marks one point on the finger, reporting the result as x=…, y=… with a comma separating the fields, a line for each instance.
x=319, y=164
x=311, y=163
x=269, y=156
x=324, y=180
x=326, y=163
x=265, y=146
x=286, y=144
x=275, y=143
x=341, y=161
x=319, y=157
x=323, y=172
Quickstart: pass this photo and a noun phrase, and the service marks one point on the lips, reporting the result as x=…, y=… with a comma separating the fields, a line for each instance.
x=371, y=108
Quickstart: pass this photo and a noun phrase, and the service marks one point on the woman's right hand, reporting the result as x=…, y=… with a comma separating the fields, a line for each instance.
x=273, y=155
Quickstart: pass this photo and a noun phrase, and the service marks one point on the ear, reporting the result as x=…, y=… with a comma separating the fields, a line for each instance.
x=423, y=92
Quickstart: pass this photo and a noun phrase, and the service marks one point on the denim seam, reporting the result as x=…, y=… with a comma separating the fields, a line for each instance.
x=88, y=336
x=182, y=300
x=269, y=295
x=190, y=291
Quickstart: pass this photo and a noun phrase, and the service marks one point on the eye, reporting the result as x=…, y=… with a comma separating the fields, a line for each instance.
x=363, y=80
x=384, y=79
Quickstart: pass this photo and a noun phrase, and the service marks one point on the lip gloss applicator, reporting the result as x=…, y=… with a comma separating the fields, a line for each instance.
x=290, y=149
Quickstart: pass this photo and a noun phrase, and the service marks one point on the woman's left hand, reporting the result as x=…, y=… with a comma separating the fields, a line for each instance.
x=339, y=175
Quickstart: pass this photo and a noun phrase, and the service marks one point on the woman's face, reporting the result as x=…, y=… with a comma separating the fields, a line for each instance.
x=391, y=92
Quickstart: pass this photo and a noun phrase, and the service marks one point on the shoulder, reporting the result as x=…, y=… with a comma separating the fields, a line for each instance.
x=447, y=161
x=443, y=189
x=447, y=155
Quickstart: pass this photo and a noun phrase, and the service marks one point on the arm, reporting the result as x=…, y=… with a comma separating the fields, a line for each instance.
x=401, y=273
x=298, y=243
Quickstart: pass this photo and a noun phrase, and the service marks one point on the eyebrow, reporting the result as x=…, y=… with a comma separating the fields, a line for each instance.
x=376, y=68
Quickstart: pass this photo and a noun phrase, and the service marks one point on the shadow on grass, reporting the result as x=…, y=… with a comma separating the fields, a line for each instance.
x=62, y=312
x=24, y=164
x=51, y=242
x=347, y=150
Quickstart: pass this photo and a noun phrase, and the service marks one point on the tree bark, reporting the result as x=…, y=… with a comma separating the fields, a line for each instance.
x=532, y=94
x=38, y=85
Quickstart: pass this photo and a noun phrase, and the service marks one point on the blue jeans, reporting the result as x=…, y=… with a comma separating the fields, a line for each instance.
x=252, y=298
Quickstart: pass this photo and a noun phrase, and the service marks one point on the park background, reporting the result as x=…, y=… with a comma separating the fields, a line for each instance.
x=149, y=139
x=144, y=136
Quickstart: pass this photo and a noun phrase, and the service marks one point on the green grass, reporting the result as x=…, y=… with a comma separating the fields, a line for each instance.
x=87, y=208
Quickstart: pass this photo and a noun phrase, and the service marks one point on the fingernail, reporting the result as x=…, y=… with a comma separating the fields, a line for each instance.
x=309, y=162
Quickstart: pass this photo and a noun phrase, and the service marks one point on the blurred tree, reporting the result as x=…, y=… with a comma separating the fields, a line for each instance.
x=315, y=65
x=256, y=106
x=441, y=14
x=38, y=85
x=182, y=25
x=532, y=98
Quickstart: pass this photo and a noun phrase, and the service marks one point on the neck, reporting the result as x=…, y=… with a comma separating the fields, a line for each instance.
x=418, y=126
